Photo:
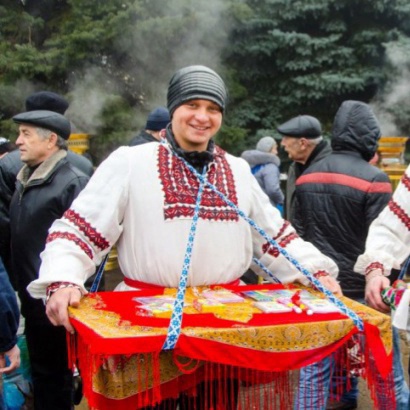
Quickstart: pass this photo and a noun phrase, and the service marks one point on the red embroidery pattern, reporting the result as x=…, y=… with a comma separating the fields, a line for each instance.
x=91, y=233
x=283, y=229
x=405, y=180
x=283, y=243
x=71, y=237
x=180, y=188
x=400, y=213
x=320, y=273
x=373, y=266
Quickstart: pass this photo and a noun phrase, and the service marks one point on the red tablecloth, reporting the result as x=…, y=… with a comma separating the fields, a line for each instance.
x=119, y=351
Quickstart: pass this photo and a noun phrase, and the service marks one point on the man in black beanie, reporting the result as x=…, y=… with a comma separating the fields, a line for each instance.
x=151, y=197
x=157, y=120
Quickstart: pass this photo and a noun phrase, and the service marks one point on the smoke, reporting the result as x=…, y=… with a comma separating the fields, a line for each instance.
x=144, y=55
x=391, y=107
x=88, y=96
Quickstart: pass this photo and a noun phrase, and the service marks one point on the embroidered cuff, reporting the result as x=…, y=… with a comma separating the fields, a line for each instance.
x=372, y=267
x=320, y=273
x=60, y=285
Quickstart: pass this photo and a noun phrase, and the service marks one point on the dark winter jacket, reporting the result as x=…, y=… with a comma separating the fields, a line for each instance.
x=322, y=150
x=142, y=138
x=337, y=198
x=9, y=312
x=36, y=203
x=10, y=165
x=265, y=167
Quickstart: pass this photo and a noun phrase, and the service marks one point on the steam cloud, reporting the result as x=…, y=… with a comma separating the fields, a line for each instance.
x=397, y=92
x=149, y=61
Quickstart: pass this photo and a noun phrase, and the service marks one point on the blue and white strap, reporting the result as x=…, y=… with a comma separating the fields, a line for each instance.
x=174, y=329
x=343, y=308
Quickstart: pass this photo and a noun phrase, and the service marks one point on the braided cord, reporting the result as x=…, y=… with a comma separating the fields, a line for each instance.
x=266, y=270
x=343, y=308
x=174, y=329
x=97, y=280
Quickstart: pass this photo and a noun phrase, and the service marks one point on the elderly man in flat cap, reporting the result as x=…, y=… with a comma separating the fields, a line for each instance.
x=145, y=199
x=46, y=186
x=11, y=164
x=302, y=140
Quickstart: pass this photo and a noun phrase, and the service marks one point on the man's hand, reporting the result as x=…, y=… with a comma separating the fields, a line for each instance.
x=57, y=306
x=14, y=360
x=374, y=285
x=331, y=284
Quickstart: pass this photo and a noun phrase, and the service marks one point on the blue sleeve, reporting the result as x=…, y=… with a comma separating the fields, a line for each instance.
x=9, y=312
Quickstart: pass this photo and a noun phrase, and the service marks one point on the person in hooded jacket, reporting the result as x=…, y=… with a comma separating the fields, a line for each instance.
x=336, y=200
x=264, y=162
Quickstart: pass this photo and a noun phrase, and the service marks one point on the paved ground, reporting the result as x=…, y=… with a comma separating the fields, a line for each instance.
x=113, y=277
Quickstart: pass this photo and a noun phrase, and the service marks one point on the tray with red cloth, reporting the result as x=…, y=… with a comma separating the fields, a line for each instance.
x=118, y=349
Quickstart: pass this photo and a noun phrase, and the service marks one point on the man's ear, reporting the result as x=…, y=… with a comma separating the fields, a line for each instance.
x=52, y=140
x=303, y=142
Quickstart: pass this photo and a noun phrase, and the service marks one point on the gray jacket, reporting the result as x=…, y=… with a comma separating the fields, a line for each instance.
x=265, y=167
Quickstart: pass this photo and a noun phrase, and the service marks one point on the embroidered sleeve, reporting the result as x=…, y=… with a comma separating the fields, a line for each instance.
x=388, y=240
x=283, y=233
x=84, y=235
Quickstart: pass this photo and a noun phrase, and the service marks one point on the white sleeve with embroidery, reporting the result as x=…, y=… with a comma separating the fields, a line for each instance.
x=388, y=240
x=84, y=235
x=309, y=257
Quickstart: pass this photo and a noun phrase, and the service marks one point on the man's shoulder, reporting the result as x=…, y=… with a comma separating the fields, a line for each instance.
x=142, y=138
x=69, y=172
x=324, y=151
x=349, y=165
x=80, y=162
x=11, y=163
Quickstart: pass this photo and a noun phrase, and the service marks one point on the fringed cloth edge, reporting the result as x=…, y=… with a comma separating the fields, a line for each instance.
x=115, y=382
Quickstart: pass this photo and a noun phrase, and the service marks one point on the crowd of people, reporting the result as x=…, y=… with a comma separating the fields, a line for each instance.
x=59, y=219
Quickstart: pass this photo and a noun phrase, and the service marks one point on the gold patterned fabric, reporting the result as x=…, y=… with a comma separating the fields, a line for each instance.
x=119, y=351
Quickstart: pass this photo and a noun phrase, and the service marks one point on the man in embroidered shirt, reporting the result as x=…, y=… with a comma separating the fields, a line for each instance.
x=143, y=198
x=387, y=245
x=45, y=188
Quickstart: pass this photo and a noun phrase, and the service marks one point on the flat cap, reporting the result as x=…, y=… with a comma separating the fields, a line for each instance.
x=49, y=120
x=46, y=100
x=302, y=126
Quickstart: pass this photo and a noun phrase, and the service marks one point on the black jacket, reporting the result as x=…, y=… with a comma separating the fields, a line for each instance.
x=337, y=198
x=142, y=138
x=322, y=150
x=36, y=203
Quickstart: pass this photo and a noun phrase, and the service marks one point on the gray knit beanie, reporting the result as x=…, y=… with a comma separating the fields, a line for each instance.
x=266, y=144
x=195, y=82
